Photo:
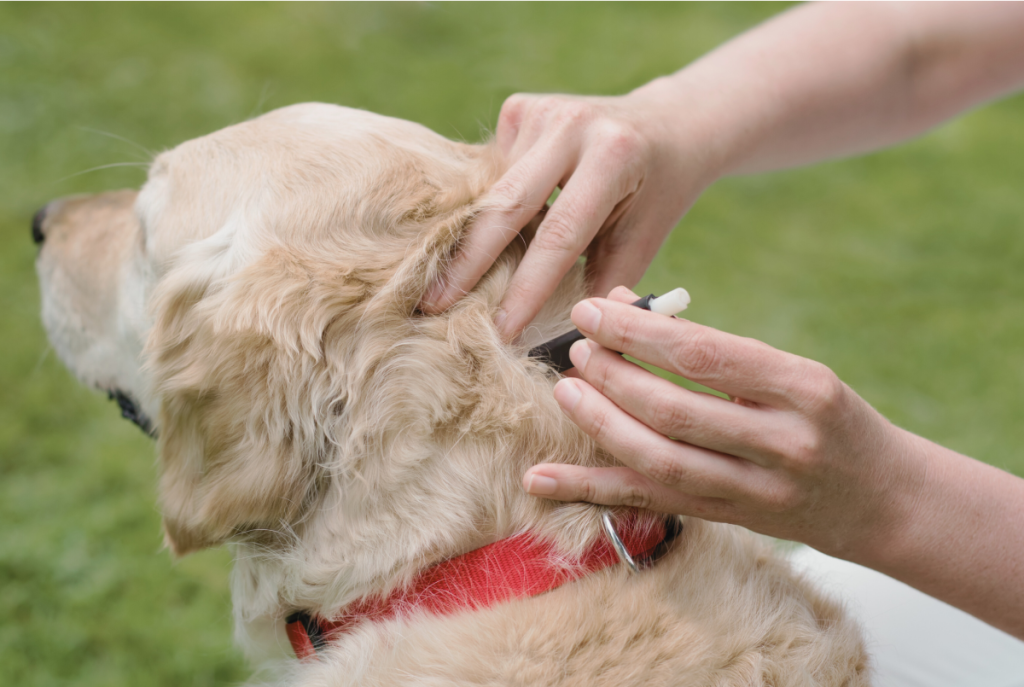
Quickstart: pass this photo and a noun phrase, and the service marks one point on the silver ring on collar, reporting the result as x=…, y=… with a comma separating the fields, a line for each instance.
x=620, y=548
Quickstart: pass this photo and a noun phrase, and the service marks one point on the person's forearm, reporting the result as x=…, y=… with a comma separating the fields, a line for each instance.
x=961, y=538
x=825, y=81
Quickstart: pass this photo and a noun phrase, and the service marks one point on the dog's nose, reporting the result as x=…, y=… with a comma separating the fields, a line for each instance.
x=37, y=225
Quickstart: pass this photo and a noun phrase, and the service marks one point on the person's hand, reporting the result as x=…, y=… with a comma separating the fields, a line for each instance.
x=796, y=454
x=623, y=183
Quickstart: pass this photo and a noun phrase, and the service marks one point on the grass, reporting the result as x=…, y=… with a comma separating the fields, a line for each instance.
x=901, y=270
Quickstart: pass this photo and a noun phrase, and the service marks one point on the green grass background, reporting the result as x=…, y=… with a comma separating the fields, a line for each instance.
x=901, y=270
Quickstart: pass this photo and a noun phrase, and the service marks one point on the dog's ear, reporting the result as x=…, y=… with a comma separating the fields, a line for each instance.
x=430, y=252
x=254, y=336
x=245, y=387
x=250, y=370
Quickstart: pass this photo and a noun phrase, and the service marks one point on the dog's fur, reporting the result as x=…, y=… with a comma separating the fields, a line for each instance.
x=258, y=299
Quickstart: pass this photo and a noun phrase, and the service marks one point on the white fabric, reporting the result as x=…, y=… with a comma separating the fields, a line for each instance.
x=915, y=640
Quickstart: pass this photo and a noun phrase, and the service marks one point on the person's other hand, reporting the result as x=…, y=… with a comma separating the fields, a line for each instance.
x=796, y=454
x=624, y=185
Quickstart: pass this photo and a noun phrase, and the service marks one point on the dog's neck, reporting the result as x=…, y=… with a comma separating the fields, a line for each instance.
x=365, y=539
x=515, y=567
x=421, y=481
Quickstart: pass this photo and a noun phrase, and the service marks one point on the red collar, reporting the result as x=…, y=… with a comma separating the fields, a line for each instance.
x=512, y=568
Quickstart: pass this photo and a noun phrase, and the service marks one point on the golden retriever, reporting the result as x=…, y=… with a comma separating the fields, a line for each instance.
x=255, y=307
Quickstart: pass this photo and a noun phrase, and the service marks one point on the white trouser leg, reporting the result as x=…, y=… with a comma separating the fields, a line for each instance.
x=915, y=640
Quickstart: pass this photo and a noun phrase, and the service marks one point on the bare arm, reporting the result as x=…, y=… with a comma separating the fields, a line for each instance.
x=836, y=79
x=817, y=82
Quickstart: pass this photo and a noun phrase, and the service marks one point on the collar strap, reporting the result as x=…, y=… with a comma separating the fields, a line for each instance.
x=512, y=568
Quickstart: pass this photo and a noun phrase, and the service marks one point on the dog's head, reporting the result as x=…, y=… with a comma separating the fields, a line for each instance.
x=258, y=301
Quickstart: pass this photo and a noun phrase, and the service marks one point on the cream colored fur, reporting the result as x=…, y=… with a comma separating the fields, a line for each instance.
x=260, y=301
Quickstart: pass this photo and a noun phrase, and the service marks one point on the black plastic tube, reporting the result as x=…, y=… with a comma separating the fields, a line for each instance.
x=556, y=351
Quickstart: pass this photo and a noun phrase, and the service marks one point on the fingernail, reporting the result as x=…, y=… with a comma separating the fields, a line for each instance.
x=567, y=394
x=586, y=316
x=539, y=485
x=579, y=354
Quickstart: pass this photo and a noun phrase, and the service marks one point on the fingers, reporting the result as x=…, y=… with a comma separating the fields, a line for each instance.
x=581, y=209
x=517, y=197
x=690, y=469
x=510, y=119
x=731, y=364
x=698, y=419
x=618, y=487
x=599, y=159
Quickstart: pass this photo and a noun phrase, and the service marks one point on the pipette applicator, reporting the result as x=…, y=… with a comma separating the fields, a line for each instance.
x=556, y=351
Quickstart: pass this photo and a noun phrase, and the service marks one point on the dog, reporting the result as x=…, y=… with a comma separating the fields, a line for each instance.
x=254, y=307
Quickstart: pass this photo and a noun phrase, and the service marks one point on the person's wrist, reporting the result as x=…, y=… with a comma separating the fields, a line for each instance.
x=897, y=514
x=693, y=122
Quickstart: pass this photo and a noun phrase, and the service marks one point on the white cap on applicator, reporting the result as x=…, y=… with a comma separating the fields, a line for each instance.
x=671, y=303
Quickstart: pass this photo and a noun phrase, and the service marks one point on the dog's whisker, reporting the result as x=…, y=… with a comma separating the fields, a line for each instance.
x=142, y=165
x=149, y=153
x=42, y=358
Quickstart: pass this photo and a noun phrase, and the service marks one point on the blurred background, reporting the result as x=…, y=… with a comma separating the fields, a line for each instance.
x=903, y=270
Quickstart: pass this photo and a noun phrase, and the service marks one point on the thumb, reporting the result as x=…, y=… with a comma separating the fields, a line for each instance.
x=622, y=294
x=607, y=272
